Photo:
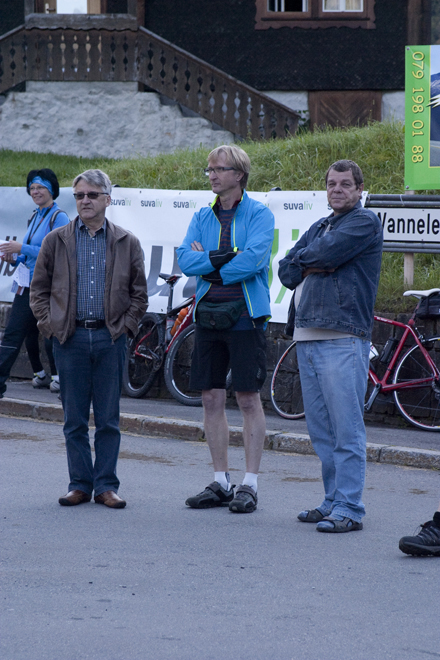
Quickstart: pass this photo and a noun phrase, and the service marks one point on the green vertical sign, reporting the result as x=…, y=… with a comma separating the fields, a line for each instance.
x=422, y=118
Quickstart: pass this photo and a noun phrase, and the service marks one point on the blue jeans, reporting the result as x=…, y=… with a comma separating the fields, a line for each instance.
x=334, y=381
x=90, y=366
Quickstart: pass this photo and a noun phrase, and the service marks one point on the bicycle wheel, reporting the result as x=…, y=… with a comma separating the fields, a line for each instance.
x=285, y=390
x=144, y=356
x=419, y=403
x=178, y=366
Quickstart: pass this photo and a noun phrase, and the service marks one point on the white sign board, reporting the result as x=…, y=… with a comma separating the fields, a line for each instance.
x=410, y=225
x=159, y=218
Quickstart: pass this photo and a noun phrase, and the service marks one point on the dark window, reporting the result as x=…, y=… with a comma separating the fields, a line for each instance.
x=287, y=5
x=116, y=6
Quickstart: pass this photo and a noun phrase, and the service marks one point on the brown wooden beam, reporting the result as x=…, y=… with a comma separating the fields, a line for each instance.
x=418, y=22
x=141, y=12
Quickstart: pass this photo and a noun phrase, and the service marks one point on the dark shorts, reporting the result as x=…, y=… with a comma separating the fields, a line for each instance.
x=217, y=351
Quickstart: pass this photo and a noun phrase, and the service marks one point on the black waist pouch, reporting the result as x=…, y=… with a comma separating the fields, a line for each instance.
x=219, y=316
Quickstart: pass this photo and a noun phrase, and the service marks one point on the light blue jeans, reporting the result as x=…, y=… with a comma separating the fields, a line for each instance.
x=334, y=381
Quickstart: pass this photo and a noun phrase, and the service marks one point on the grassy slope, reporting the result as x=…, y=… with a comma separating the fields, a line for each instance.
x=293, y=164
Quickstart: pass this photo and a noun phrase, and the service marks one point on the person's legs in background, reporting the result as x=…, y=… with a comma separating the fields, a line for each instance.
x=55, y=380
x=21, y=320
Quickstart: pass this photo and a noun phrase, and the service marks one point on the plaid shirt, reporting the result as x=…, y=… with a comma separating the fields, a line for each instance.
x=90, y=272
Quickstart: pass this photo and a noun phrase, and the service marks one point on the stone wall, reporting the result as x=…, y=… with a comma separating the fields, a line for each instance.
x=383, y=411
x=101, y=119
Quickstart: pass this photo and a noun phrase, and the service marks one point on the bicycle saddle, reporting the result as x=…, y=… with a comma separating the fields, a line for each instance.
x=421, y=294
x=170, y=279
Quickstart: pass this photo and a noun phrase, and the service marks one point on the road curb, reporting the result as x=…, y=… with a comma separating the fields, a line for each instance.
x=294, y=443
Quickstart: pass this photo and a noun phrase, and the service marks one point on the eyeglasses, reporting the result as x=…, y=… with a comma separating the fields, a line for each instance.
x=37, y=188
x=90, y=195
x=217, y=170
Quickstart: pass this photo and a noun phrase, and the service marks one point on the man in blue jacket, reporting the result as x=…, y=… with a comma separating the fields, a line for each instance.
x=227, y=247
x=334, y=270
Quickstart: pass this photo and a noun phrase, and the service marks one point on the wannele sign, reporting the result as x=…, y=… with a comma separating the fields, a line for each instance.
x=410, y=225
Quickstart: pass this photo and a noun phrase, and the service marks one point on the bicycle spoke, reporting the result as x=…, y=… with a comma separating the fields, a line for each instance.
x=419, y=402
x=178, y=368
x=286, y=395
x=144, y=356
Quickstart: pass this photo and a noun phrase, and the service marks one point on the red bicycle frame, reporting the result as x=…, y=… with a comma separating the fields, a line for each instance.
x=381, y=384
x=188, y=320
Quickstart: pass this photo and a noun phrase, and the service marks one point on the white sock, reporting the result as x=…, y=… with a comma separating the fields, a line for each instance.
x=56, y=378
x=250, y=479
x=40, y=374
x=222, y=478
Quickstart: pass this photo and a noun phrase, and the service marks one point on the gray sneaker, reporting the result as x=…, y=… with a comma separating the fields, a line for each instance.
x=41, y=383
x=54, y=386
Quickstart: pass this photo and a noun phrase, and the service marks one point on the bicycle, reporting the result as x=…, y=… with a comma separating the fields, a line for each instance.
x=154, y=345
x=415, y=375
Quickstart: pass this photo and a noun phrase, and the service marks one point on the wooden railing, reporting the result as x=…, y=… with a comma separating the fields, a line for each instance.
x=90, y=54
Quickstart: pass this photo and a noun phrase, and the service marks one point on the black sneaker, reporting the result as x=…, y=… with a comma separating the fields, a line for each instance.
x=425, y=544
x=213, y=495
x=245, y=500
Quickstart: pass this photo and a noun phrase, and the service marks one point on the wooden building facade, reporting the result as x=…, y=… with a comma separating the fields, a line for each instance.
x=343, y=54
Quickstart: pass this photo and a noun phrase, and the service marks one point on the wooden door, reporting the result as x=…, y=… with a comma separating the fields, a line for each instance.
x=350, y=108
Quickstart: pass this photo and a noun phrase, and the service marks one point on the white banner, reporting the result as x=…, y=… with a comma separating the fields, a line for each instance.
x=159, y=218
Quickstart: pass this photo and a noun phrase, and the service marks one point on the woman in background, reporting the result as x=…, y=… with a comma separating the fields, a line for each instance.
x=42, y=186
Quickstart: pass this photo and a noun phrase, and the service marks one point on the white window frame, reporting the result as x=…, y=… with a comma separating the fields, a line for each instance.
x=342, y=7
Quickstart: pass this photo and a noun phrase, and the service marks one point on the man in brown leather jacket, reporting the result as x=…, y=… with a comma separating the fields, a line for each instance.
x=88, y=291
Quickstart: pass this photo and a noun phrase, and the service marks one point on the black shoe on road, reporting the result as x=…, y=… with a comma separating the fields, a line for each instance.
x=425, y=544
x=245, y=500
x=213, y=495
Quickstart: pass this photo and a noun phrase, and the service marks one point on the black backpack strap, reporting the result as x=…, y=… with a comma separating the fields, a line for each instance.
x=53, y=218
x=34, y=213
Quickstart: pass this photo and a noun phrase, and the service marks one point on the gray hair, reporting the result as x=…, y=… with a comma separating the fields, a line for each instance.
x=236, y=158
x=347, y=166
x=96, y=178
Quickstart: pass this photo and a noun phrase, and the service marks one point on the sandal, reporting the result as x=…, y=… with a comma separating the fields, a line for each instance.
x=311, y=516
x=329, y=524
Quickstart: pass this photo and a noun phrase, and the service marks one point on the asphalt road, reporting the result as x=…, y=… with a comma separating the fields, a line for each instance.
x=159, y=581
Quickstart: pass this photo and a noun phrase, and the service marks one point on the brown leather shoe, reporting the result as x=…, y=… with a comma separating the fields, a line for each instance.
x=74, y=497
x=109, y=498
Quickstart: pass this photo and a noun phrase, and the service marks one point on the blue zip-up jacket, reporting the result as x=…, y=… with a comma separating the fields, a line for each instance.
x=342, y=300
x=29, y=253
x=252, y=232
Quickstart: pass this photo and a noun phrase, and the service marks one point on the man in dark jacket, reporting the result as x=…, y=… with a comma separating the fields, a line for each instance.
x=88, y=291
x=334, y=270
